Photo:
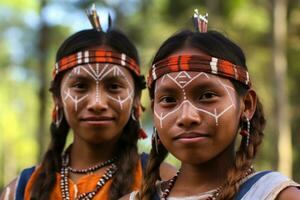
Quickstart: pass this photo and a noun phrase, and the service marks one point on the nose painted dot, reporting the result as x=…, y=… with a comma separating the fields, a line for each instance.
x=184, y=94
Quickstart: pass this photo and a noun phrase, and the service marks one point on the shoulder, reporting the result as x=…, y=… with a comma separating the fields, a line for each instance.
x=290, y=193
x=267, y=185
x=9, y=191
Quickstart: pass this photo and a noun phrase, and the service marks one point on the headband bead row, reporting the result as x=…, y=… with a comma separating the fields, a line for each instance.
x=95, y=56
x=199, y=63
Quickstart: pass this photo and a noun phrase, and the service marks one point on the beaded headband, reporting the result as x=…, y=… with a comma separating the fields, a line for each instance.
x=200, y=63
x=95, y=56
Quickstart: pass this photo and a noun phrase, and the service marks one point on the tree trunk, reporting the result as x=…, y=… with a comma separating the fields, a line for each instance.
x=42, y=51
x=282, y=104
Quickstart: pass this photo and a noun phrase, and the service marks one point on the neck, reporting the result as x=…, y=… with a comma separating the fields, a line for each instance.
x=205, y=176
x=83, y=155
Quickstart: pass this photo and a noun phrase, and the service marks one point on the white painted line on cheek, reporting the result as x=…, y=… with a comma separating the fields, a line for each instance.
x=160, y=119
x=120, y=102
x=76, y=104
x=216, y=118
x=225, y=86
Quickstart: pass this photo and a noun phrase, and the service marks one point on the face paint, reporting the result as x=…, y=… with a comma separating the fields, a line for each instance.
x=74, y=99
x=183, y=80
x=97, y=101
x=98, y=73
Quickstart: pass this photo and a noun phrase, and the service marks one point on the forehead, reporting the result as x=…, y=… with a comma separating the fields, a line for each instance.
x=184, y=79
x=98, y=71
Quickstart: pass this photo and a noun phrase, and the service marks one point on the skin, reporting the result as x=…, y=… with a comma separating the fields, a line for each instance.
x=99, y=91
x=97, y=107
x=97, y=101
x=197, y=119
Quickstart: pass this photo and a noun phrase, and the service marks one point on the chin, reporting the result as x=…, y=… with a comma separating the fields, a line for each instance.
x=192, y=158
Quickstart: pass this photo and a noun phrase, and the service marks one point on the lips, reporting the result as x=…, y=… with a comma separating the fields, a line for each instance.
x=191, y=137
x=98, y=120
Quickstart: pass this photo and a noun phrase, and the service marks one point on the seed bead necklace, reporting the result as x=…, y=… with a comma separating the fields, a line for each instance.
x=170, y=184
x=64, y=186
x=90, y=169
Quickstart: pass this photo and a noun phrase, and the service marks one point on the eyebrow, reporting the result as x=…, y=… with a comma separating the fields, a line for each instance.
x=164, y=89
x=205, y=83
x=87, y=76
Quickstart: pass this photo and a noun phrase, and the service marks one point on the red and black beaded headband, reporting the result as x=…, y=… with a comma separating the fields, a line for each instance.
x=96, y=56
x=200, y=63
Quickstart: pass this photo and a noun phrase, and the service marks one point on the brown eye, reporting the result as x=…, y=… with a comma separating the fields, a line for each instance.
x=80, y=86
x=168, y=99
x=114, y=87
x=207, y=95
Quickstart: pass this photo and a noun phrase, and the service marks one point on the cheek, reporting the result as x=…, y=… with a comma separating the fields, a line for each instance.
x=69, y=109
x=229, y=121
x=163, y=127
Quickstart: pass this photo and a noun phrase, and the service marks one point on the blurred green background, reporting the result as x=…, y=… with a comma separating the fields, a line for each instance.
x=31, y=32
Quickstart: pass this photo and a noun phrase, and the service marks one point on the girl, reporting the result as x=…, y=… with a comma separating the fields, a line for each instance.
x=96, y=89
x=201, y=99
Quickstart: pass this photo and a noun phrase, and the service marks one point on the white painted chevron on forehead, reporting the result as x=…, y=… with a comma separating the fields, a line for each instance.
x=182, y=80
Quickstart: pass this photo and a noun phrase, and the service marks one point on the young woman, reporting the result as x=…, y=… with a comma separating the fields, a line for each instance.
x=202, y=99
x=96, y=89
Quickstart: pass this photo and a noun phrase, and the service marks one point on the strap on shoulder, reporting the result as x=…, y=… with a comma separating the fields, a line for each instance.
x=24, y=177
x=156, y=196
x=244, y=188
x=144, y=160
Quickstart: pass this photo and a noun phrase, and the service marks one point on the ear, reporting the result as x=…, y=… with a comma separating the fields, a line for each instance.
x=249, y=101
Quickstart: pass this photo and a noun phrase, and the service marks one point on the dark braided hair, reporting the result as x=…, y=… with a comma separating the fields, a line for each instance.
x=217, y=45
x=127, y=144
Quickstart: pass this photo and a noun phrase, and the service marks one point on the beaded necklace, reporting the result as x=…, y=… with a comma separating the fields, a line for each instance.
x=90, y=169
x=65, y=170
x=214, y=195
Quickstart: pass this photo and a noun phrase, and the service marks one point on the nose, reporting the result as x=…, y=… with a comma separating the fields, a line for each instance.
x=188, y=116
x=98, y=101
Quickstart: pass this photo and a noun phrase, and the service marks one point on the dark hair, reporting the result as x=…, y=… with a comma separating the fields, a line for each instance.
x=127, y=145
x=217, y=45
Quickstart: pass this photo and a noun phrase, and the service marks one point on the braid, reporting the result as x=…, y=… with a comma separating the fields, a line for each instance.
x=127, y=161
x=245, y=155
x=151, y=175
x=51, y=163
x=128, y=156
